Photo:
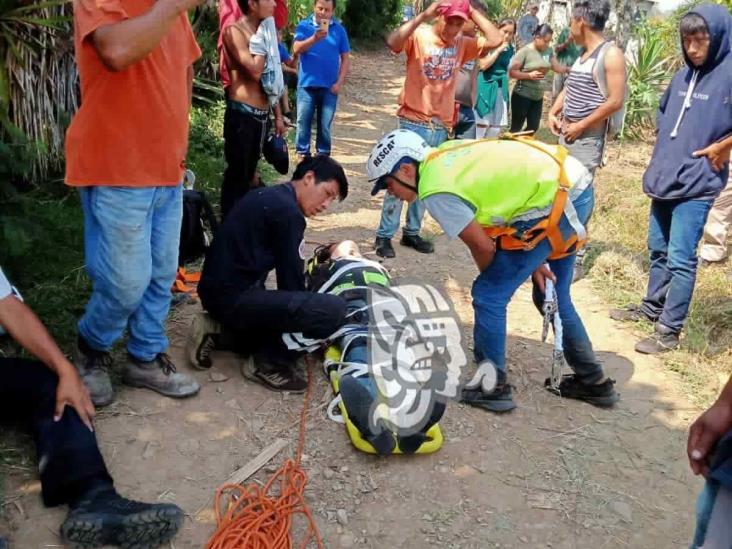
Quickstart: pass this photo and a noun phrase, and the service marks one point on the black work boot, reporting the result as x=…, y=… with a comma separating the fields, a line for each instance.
x=103, y=517
x=499, y=400
x=602, y=394
x=384, y=248
x=418, y=243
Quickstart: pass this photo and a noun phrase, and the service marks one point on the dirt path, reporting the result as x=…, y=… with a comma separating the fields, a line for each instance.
x=552, y=474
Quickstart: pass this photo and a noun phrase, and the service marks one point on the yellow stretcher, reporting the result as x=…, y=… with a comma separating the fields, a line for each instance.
x=434, y=434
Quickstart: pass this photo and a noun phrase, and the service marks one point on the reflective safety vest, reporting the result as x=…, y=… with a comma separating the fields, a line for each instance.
x=507, y=181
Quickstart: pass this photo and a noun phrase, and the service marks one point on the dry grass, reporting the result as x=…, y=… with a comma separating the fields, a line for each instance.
x=618, y=261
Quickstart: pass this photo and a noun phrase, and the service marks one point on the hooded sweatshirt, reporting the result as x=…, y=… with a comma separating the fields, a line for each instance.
x=695, y=112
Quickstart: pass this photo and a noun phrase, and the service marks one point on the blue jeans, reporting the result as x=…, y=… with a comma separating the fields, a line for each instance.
x=391, y=212
x=131, y=237
x=713, y=508
x=312, y=101
x=674, y=232
x=495, y=286
x=465, y=127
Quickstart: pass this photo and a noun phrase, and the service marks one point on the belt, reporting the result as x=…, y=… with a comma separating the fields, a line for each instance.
x=246, y=109
x=433, y=124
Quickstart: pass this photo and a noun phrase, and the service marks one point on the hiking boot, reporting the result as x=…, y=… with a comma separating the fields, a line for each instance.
x=274, y=374
x=499, y=400
x=631, y=313
x=159, y=375
x=103, y=517
x=658, y=342
x=93, y=367
x=602, y=394
x=418, y=243
x=384, y=248
x=203, y=338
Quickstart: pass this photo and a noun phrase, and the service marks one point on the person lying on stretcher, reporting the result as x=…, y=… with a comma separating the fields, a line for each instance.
x=340, y=269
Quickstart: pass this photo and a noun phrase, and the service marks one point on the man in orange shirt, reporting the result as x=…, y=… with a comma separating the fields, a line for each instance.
x=427, y=102
x=124, y=151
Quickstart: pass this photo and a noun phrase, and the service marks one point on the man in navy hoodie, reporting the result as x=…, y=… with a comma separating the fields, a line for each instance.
x=689, y=168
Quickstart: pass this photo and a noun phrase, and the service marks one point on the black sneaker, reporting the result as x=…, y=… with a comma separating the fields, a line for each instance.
x=106, y=518
x=631, y=313
x=499, y=400
x=603, y=394
x=384, y=248
x=274, y=374
x=418, y=243
x=657, y=343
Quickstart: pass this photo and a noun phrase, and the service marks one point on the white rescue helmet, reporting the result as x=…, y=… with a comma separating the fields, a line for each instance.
x=389, y=151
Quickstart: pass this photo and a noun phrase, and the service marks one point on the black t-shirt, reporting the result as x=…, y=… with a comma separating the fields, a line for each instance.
x=264, y=231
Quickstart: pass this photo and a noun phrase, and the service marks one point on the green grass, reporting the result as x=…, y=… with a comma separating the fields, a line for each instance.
x=43, y=255
x=618, y=265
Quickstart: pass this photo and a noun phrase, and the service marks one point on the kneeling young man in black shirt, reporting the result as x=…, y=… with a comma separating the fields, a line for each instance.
x=264, y=231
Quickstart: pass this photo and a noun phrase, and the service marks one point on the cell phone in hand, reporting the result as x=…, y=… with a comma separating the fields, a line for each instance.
x=323, y=25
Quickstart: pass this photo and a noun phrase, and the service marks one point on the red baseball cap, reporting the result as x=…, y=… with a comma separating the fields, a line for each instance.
x=455, y=8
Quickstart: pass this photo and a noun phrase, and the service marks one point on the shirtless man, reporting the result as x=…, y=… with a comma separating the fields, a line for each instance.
x=247, y=107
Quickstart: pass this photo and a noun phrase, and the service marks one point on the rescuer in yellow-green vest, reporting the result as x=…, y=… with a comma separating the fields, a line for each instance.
x=516, y=204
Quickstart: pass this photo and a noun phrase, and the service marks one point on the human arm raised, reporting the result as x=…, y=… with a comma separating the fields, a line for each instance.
x=399, y=37
x=126, y=42
x=492, y=36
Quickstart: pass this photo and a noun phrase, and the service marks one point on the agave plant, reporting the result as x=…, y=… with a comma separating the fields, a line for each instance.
x=37, y=77
x=648, y=71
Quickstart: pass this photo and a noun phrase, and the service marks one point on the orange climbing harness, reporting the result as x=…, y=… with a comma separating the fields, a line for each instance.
x=549, y=226
x=252, y=517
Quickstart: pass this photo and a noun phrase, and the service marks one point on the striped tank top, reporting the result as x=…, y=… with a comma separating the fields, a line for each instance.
x=582, y=93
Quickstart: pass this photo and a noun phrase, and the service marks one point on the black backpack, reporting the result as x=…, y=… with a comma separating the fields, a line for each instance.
x=198, y=226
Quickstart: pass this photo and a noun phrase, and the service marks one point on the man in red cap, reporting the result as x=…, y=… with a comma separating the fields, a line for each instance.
x=427, y=102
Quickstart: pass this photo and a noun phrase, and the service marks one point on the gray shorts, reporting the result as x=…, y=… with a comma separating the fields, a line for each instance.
x=588, y=149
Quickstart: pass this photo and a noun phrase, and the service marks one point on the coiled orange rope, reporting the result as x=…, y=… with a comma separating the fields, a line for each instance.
x=249, y=517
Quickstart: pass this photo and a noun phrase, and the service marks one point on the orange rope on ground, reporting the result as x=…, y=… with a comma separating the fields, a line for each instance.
x=249, y=517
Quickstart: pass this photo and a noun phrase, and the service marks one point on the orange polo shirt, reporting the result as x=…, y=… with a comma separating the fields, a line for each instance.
x=132, y=127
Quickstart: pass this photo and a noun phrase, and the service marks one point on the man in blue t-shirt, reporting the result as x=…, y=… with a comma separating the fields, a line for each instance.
x=322, y=43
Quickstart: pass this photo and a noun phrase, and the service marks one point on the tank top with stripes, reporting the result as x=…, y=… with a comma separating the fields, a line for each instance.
x=582, y=93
